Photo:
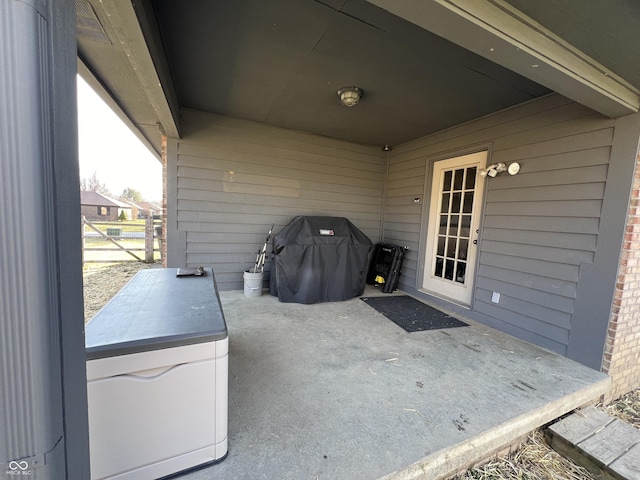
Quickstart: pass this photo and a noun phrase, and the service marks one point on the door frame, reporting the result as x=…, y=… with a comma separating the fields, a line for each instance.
x=424, y=225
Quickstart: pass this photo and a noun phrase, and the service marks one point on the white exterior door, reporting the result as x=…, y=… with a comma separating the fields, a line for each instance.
x=452, y=234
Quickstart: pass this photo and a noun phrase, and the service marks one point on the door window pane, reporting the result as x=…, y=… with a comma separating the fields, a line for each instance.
x=458, y=179
x=441, y=244
x=461, y=269
x=453, y=225
x=439, y=267
x=455, y=202
x=463, y=246
x=446, y=185
x=451, y=247
x=448, y=270
x=470, y=184
x=444, y=208
x=443, y=224
x=467, y=206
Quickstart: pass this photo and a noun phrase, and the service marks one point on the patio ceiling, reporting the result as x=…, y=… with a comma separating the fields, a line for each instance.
x=424, y=66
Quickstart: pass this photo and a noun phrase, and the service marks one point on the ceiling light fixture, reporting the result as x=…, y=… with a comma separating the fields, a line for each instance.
x=350, y=96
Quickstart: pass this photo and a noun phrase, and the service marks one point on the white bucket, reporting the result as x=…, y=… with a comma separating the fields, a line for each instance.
x=252, y=284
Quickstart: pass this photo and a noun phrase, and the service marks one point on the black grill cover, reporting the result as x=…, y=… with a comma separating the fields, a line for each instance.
x=319, y=259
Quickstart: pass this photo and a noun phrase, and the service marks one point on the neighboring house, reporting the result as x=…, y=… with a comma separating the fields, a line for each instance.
x=147, y=209
x=96, y=206
x=142, y=209
x=135, y=210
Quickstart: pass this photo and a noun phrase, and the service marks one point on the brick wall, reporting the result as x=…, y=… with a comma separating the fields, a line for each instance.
x=622, y=351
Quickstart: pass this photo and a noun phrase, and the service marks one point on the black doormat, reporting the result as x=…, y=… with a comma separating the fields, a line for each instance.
x=411, y=314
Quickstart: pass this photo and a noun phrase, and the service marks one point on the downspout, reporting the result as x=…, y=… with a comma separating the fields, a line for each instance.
x=44, y=431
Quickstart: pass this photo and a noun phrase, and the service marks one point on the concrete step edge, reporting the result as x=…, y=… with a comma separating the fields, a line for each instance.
x=446, y=463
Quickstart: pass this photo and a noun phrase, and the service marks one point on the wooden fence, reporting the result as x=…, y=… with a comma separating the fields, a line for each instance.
x=110, y=242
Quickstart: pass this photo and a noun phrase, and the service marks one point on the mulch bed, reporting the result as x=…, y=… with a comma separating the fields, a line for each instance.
x=532, y=460
x=535, y=460
x=102, y=282
x=626, y=408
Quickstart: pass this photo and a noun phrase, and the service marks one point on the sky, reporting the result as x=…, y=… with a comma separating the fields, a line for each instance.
x=109, y=148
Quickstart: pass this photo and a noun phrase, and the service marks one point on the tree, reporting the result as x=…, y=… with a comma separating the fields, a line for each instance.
x=93, y=184
x=123, y=216
x=131, y=194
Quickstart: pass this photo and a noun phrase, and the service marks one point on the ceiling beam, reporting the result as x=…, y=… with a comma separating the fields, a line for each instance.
x=504, y=35
x=135, y=26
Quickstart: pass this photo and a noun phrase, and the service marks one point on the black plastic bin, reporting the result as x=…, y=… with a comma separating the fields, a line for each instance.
x=319, y=259
x=386, y=264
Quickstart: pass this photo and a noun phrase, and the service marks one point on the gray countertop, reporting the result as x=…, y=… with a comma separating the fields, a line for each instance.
x=156, y=310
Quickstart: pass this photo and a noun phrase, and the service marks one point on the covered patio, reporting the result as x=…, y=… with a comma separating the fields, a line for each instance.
x=239, y=101
x=336, y=390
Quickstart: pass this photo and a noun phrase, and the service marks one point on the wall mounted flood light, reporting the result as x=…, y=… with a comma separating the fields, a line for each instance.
x=496, y=168
x=350, y=96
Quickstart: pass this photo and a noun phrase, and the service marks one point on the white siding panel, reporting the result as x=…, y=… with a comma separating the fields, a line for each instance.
x=235, y=178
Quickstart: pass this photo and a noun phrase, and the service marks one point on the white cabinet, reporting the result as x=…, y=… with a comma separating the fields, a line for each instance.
x=157, y=376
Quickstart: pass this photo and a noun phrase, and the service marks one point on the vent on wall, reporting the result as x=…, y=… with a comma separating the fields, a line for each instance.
x=87, y=23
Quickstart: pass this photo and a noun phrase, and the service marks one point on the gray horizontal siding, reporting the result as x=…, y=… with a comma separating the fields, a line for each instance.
x=562, y=209
x=402, y=224
x=533, y=281
x=539, y=227
x=542, y=238
x=543, y=224
x=235, y=178
x=543, y=253
x=509, y=122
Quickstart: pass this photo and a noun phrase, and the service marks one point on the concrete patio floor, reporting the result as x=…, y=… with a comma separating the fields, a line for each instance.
x=338, y=391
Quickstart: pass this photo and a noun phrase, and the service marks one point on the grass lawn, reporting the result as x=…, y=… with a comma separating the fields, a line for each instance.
x=114, y=254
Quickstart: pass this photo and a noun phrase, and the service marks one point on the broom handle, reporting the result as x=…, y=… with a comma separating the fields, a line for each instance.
x=263, y=253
